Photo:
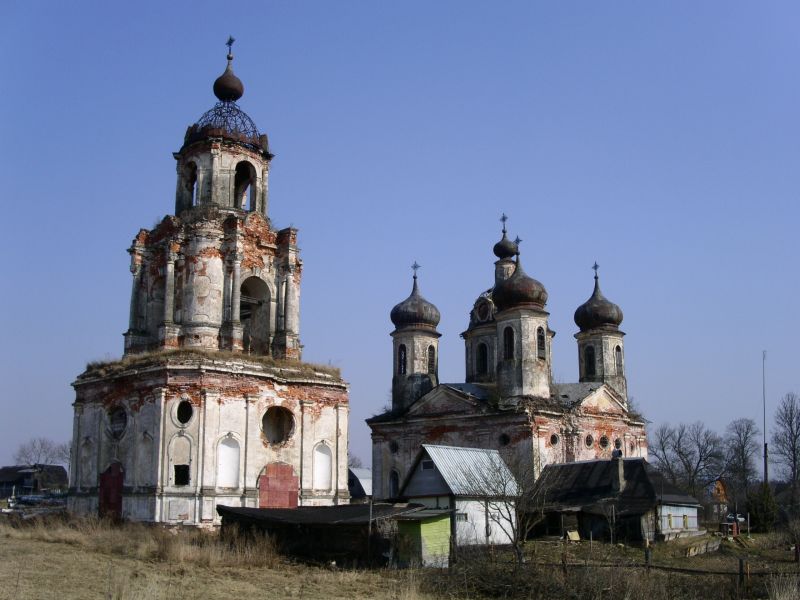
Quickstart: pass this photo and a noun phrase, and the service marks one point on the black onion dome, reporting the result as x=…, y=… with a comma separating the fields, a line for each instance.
x=228, y=87
x=505, y=248
x=598, y=311
x=519, y=290
x=415, y=311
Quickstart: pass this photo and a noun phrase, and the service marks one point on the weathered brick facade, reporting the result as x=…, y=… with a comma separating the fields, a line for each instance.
x=509, y=400
x=211, y=403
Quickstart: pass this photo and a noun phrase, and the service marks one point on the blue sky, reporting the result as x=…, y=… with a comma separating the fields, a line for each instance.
x=659, y=139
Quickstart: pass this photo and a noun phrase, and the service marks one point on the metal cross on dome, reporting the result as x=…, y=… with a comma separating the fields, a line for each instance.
x=229, y=43
x=595, y=267
x=504, y=218
x=416, y=266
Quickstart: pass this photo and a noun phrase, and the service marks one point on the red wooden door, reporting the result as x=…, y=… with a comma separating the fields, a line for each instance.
x=278, y=487
x=110, y=493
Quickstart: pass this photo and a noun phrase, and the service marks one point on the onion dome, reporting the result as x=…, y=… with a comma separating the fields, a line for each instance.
x=598, y=311
x=415, y=311
x=225, y=119
x=505, y=248
x=228, y=87
x=519, y=291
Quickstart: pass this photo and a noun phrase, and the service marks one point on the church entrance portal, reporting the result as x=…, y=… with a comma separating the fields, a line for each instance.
x=110, y=500
x=278, y=487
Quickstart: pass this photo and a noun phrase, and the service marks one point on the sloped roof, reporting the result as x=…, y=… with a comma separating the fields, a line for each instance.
x=470, y=471
x=363, y=477
x=587, y=485
x=569, y=394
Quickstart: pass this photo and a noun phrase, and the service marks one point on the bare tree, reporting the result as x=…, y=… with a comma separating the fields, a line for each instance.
x=43, y=451
x=513, y=501
x=786, y=441
x=690, y=456
x=741, y=449
x=354, y=461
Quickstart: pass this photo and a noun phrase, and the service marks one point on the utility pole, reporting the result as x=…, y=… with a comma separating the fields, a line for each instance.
x=764, y=398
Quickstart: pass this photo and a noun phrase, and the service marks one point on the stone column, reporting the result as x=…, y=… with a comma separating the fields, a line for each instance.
x=236, y=292
x=168, y=332
x=132, y=338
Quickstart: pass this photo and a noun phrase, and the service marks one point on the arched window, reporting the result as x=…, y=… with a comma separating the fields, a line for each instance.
x=394, y=484
x=588, y=359
x=541, y=348
x=431, y=360
x=401, y=359
x=190, y=181
x=508, y=343
x=483, y=359
x=618, y=360
x=244, y=186
x=323, y=461
x=228, y=463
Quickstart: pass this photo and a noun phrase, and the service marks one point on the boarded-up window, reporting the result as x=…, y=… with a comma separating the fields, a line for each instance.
x=431, y=360
x=401, y=360
x=323, y=462
x=228, y=463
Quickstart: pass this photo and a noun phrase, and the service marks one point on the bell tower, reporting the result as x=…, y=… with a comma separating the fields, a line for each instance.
x=600, y=344
x=216, y=276
x=415, y=343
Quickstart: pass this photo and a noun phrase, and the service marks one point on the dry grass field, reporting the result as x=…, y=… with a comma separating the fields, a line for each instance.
x=84, y=558
x=88, y=559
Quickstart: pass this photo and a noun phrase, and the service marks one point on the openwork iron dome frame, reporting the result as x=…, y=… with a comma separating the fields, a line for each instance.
x=229, y=117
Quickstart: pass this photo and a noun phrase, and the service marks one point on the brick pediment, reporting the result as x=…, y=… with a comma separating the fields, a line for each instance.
x=603, y=400
x=444, y=400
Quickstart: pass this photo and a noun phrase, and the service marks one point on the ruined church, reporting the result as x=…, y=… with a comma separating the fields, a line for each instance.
x=509, y=401
x=211, y=403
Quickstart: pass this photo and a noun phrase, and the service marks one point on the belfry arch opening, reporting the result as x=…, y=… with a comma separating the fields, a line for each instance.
x=190, y=183
x=244, y=186
x=254, y=314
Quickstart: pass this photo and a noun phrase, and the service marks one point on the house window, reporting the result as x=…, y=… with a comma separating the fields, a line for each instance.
x=483, y=359
x=181, y=474
x=393, y=447
x=541, y=348
x=277, y=424
x=618, y=444
x=504, y=439
x=686, y=521
x=118, y=421
x=508, y=343
x=604, y=442
x=554, y=439
x=401, y=359
x=588, y=359
x=394, y=484
x=431, y=360
x=461, y=516
x=427, y=465
x=618, y=360
x=589, y=441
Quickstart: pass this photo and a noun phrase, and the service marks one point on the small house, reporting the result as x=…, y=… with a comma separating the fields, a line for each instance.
x=23, y=480
x=473, y=486
x=626, y=498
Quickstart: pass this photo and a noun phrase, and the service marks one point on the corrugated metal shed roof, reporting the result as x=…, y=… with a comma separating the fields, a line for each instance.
x=472, y=471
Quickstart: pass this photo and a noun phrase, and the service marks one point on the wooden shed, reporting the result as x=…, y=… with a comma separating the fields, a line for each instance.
x=423, y=538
